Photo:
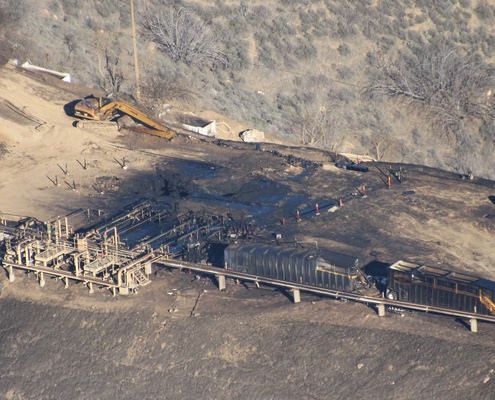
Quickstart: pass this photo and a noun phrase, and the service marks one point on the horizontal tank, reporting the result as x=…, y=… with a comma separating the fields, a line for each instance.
x=319, y=268
x=438, y=287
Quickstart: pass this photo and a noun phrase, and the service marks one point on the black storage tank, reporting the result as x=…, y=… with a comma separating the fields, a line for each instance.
x=319, y=268
x=440, y=287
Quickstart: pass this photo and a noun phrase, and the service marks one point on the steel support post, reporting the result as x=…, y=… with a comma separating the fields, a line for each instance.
x=221, y=282
x=381, y=310
x=76, y=264
x=19, y=254
x=11, y=273
x=296, y=295
x=42, y=279
x=473, y=324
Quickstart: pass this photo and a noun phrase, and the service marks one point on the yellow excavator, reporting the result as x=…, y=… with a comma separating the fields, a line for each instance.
x=104, y=110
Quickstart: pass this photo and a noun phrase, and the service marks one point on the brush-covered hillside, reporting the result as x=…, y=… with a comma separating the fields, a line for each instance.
x=400, y=80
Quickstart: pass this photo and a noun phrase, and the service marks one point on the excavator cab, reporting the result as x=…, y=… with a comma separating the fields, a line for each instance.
x=103, y=101
x=90, y=106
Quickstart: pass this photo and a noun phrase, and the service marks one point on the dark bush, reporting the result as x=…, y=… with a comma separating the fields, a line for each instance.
x=184, y=36
x=71, y=7
x=3, y=150
x=484, y=10
x=345, y=73
x=447, y=83
x=344, y=50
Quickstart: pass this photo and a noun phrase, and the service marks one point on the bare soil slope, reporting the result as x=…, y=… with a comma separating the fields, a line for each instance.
x=291, y=68
x=237, y=345
x=194, y=342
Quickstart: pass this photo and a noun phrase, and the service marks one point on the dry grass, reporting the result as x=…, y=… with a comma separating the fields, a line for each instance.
x=283, y=58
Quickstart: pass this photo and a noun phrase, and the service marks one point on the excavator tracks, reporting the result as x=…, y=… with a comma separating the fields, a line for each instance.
x=95, y=125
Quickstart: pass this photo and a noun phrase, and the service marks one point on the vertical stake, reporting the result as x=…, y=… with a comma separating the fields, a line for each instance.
x=298, y=216
x=42, y=280
x=473, y=324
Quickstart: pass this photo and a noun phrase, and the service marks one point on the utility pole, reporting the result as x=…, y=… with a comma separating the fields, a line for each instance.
x=134, y=45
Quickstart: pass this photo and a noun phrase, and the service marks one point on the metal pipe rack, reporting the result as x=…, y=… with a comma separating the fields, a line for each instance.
x=98, y=257
x=377, y=301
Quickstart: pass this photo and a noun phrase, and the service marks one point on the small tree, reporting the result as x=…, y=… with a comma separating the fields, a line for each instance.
x=320, y=125
x=111, y=75
x=70, y=43
x=314, y=126
x=166, y=87
x=446, y=83
x=184, y=37
x=466, y=158
x=382, y=144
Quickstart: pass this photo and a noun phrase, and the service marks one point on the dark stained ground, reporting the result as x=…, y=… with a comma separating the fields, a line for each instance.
x=432, y=217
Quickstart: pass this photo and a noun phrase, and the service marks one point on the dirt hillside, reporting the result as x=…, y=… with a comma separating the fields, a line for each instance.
x=297, y=70
x=181, y=338
x=237, y=345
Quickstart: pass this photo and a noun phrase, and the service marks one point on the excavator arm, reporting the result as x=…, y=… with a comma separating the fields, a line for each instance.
x=97, y=109
x=157, y=129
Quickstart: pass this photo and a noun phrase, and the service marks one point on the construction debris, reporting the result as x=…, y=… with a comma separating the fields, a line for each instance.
x=199, y=125
x=64, y=76
x=252, y=136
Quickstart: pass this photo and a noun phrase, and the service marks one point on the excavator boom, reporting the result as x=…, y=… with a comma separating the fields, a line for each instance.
x=98, y=109
x=138, y=116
